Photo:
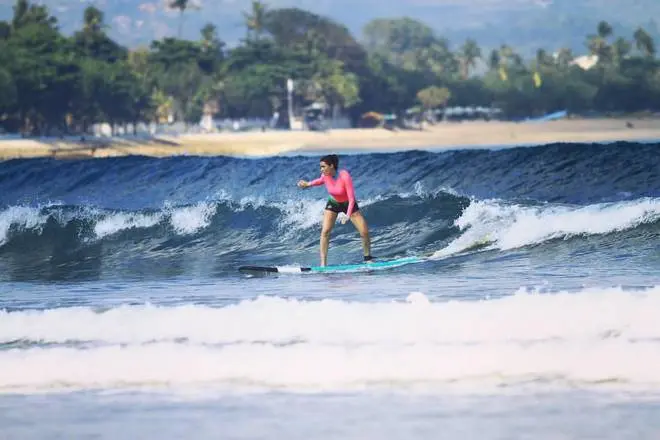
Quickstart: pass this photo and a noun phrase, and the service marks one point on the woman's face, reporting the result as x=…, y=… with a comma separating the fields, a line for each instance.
x=327, y=169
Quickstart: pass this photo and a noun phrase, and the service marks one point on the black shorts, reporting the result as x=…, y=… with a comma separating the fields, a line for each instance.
x=338, y=207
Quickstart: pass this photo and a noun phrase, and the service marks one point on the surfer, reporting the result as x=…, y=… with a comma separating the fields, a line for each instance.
x=341, y=199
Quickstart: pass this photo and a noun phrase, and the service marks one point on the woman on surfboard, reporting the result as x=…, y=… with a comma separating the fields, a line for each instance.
x=341, y=199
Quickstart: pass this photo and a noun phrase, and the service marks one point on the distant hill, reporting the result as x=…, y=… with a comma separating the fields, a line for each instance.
x=523, y=24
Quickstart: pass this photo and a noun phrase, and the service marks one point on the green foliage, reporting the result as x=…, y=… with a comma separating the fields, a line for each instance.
x=52, y=83
x=398, y=36
x=8, y=94
x=433, y=97
x=255, y=21
x=295, y=28
x=5, y=30
x=93, y=42
x=412, y=45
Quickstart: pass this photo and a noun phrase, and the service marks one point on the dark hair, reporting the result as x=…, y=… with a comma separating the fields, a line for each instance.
x=331, y=159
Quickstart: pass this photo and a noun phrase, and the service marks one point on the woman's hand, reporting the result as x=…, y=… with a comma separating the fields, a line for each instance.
x=303, y=184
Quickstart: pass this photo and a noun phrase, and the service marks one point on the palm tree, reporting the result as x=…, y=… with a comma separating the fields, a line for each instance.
x=644, y=42
x=255, y=21
x=604, y=30
x=209, y=35
x=598, y=43
x=25, y=13
x=182, y=6
x=503, y=60
x=494, y=59
x=21, y=9
x=93, y=20
x=543, y=59
x=564, y=57
x=509, y=57
x=470, y=53
x=620, y=49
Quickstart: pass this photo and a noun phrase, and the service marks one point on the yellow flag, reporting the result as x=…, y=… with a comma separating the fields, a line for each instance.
x=537, y=80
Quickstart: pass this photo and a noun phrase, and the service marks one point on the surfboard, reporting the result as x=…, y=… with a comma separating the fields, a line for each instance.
x=359, y=267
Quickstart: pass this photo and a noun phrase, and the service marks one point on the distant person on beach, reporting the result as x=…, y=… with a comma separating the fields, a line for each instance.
x=341, y=199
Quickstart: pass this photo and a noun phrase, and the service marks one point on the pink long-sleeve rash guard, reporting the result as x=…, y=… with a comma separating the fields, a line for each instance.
x=341, y=189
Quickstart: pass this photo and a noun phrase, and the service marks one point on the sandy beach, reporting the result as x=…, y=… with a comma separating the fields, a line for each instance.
x=451, y=135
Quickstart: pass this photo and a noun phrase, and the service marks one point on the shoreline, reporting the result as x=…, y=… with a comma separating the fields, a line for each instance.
x=439, y=137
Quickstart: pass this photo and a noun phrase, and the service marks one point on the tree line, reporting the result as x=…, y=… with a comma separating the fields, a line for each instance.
x=56, y=83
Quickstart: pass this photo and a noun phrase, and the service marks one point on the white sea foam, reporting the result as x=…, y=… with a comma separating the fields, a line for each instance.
x=120, y=221
x=191, y=219
x=507, y=226
x=297, y=214
x=502, y=225
x=588, y=338
x=184, y=220
x=21, y=218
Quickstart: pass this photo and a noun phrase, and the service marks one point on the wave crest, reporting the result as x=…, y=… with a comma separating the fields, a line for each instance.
x=275, y=343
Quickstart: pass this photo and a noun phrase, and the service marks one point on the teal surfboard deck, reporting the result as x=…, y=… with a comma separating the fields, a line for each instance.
x=375, y=265
x=360, y=267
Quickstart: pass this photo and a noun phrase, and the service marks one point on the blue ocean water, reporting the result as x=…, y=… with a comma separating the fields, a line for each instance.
x=122, y=313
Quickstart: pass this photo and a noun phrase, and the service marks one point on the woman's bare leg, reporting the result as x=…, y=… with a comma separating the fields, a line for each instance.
x=329, y=219
x=360, y=224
